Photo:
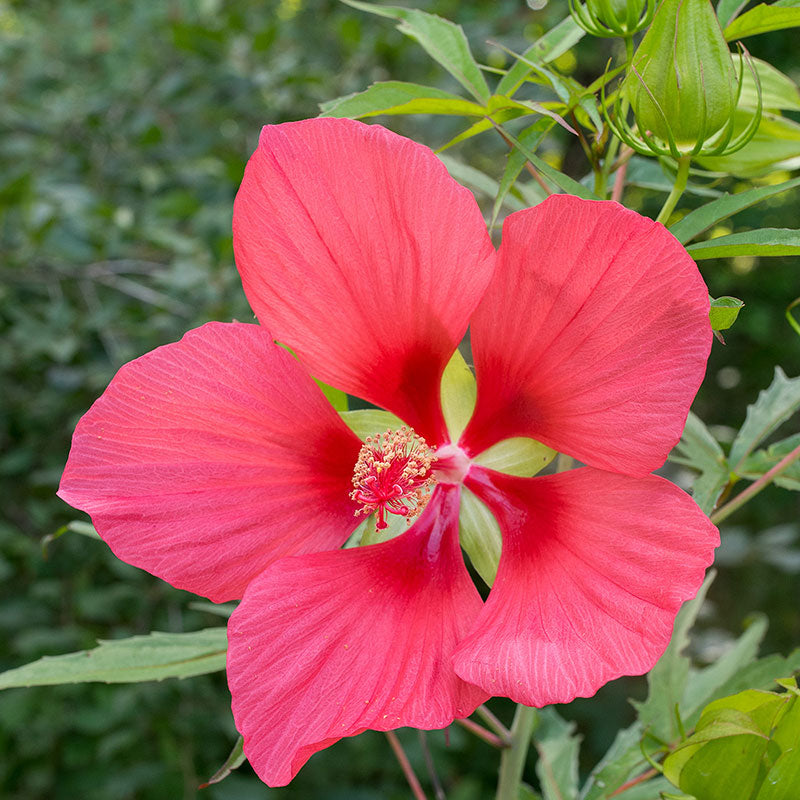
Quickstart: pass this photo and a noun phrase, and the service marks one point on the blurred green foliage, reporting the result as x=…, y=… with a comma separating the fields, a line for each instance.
x=124, y=132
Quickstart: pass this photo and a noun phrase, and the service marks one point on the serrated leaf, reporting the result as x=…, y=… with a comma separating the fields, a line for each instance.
x=553, y=44
x=706, y=685
x=723, y=312
x=707, y=216
x=774, y=406
x=763, y=19
x=479, y=535
x=759, y=242
x=152, y=657
x=442, y=40
x=761, y=461
x=667, y=680
x=557, y=746
x=398, y=97
x=699, y=450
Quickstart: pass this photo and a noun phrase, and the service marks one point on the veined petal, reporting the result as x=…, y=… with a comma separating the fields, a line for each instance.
x=207, y=459
x=359, y=251
x=592, y=337
x=593, y=570
x=331, y=644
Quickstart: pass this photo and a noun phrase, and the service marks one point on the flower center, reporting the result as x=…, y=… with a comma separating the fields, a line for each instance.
x=393, y=473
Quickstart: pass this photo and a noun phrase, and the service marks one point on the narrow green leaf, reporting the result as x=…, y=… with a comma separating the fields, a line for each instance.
x=561, y=180
x=764, y=460
x=667, y=680
x=484, y=125
x=699, y=450
x=232, y=762
x=531, y=138
x=397, y=97
x=773, y=407
x=442, y=40
x=478, y=181
x=557, y=746
x=152, y=657
x=553, y=44
x=479, y=535
x=759, y=242
x=723, y=312
x=705, y=217
x=648, y=173
x=223, y=610
x=762, y=19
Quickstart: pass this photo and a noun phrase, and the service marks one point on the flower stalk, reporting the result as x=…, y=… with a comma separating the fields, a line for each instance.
x=512, y=762
x=678, y=188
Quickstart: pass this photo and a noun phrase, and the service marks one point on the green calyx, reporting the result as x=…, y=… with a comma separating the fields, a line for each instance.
x=611, y=18
x=683, y=87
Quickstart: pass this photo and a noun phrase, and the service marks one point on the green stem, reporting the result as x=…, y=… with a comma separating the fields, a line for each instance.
x=754, y=488
x=677, y=190
x=512, y=762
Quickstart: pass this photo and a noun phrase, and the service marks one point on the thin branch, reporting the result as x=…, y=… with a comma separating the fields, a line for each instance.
x=634, y=782
x=619, y=183
x=405, y=764
x=482, y=733
x=754, y=488
x=494, y=723
x=438, y=790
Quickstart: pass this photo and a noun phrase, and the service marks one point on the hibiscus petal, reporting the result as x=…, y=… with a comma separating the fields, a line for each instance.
x=331, y=644
x=592, y=337
x=359, y=251
x=207, y=459
x=593, y=570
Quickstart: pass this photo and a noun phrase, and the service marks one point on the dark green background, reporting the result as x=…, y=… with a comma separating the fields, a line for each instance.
x=124, y=129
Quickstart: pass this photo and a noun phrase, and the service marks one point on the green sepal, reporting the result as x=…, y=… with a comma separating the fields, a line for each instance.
x=479, y=535
x=517, y=456
x=458, y=393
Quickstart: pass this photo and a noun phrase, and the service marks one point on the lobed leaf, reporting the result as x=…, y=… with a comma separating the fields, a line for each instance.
x=442, y=40
x=151, y=657
x=774, y=406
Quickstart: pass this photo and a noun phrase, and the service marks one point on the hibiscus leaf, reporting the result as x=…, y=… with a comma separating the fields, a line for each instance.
x=399, y=97
x=723, y=312
x=553, y=44
x=761, y=461
x=232, y=762
x=151, y=657
x=699, y=450
x=557, y=747
x=764, y=18
x=667, y=680
x=773, y=407
x=759, y=242
x=442, y=40
x=726, y=206
x=561, y=180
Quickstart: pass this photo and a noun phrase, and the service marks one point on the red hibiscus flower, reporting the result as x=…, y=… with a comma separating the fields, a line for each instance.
x=217, y=464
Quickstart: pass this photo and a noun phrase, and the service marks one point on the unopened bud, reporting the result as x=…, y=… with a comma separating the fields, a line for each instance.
x=682, y=84
x=613, y=17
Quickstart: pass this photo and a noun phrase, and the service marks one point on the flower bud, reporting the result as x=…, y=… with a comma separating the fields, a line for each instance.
x=682, y=84
x=613, y=17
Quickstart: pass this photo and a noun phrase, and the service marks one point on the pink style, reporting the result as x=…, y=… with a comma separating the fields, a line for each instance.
x=217, y=464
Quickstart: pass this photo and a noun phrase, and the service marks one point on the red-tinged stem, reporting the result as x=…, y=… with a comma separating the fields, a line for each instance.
x=619, y=183
x=634, y=782
x=491, y=720
x=482, y=733
x=438, y=791
x=754, y=488
x=405, y=764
